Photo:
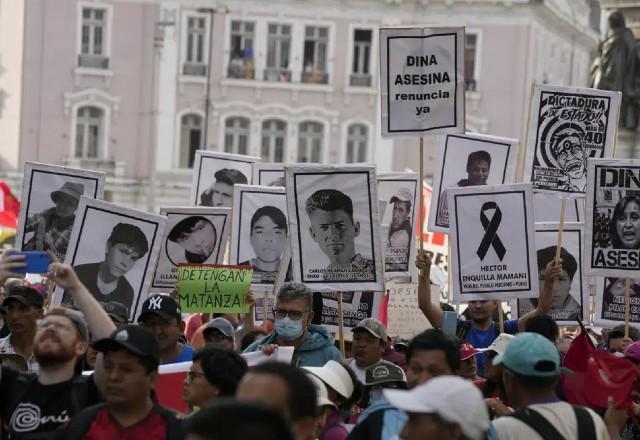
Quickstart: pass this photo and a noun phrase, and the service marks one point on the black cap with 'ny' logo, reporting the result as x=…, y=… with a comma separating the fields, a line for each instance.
x=163, y=306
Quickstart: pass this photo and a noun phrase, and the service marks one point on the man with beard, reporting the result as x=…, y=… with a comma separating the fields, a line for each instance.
x=481, y=330
x=35, y=406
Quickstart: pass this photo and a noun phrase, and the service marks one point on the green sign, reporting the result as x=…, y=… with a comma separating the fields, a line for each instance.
x=213, y=288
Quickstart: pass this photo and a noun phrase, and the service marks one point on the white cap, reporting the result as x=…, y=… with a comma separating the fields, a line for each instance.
x=334, y=375
x=499, y=344
x=321, y=392
x=450, y=397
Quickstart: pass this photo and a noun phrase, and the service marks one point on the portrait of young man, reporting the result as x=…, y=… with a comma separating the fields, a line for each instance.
x=268, y=238
x=221, y=192
x=197, y=236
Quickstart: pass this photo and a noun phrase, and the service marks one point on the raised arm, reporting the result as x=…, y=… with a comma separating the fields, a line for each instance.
x=545, y=299
x=430, y=310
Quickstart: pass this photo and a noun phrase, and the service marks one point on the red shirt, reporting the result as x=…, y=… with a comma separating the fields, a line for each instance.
x=105, y=427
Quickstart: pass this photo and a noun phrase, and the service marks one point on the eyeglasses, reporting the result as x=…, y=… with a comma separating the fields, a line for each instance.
x=193, y=375
x=292, y=314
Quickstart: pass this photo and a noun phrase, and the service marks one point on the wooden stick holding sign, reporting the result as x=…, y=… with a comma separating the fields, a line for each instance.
x=421, y=195
x=560, y=228
x=341, y=324
x=265, y=304
x=500, y=317
x=627, y=301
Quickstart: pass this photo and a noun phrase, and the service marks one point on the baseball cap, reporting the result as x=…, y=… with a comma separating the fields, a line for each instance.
x=133, y=338
x=117, y=311
x=322, y=394
x=531, y=354
x=222, y=325
x=334, y=375
x=633, y=351
x=452, y=398
x=383, y=372
x=373, y=326
x=25, y=295
x=403, y=195
x=161, y=305
x=499, y=344
x=76, y=316
x=467, y=350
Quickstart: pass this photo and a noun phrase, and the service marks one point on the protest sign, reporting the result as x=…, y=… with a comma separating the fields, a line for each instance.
x=114, y=251
x=610, y=302
x=567, y=126
x=571, y=291
x=259, y=232
x=492, y=243
x=469, y=160
x=422, y=80
x=193, y=236
x=213, y=288
x=356, y=306
x=547, y=207
x=333, y=214
x=268, y=174
x=50, y=197
x=215, y=174
x=404, y=317
x=398, y=221
x=612, y=226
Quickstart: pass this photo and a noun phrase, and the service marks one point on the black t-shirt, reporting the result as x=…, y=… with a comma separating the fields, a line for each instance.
x=32, y=411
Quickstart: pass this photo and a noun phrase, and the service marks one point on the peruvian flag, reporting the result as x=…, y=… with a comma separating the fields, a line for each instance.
x=9, y=207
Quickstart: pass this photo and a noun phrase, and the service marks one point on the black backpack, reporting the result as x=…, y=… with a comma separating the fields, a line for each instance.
x=537, y=422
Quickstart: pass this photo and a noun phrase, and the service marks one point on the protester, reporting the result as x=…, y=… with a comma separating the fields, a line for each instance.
x=131, y=360
x=251, y=337
x=286, y=389
x=240, y=327
x=215, y=372
x=36, y=405
x=394, y=353
x=227, y=419
x=492, y=387
x=480, y=330
x=616, y=341
x=161, y=315
x=368, y=346
x=326, y=408
x=468, y=366
x=344, y=390
x=531, y=370
x=220, y=333
x=544, y=325
x=380, y=420
x=446, y=407
x=431, y=354
x=293, y=313
x=24, y=307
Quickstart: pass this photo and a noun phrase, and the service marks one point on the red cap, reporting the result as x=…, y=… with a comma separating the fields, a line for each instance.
x=467, y=350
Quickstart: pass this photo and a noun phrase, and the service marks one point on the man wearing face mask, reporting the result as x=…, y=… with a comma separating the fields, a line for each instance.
x=293, y=314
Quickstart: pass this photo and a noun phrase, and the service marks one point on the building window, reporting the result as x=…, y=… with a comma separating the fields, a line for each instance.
x=470, y=53
x=190, y=139
x=93, y=39
x=89, y=132
x=278, y=53
x=241, y=63
x=310, y=136
x=274, y=140
x=357, y=139
x=195, y=62
x=236, y=135
x=316, y=42
x=360, y=69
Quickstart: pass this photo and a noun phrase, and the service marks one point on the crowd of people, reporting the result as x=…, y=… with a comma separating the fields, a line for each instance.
x=86, y=373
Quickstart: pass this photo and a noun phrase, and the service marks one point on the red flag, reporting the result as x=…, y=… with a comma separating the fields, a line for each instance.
x=383, y=310
x=9, y=207
x=576, y=360
x=609, y=376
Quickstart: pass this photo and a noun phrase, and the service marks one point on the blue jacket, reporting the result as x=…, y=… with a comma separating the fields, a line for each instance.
x=316, y=350
x=380, y=421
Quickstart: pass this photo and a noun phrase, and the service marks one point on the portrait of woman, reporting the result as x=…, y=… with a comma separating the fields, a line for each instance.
x=624, y=228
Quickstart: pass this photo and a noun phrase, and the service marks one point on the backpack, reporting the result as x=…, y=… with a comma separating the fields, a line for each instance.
x=537, y=422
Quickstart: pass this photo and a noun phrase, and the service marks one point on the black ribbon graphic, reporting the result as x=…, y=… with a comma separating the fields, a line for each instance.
x=491, y=231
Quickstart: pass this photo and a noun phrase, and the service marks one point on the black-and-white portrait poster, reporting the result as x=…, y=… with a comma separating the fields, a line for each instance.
x=259, y=232
x=114, y=251
x=493, y=243
x=469, y=160
x=571, y=291
x=50, y=197
x=192, y=236
x=547, y=207
x=567, y=126
x=610, y=300
x=215, y=174
x=356, y=306
x=422, y=80
x=334, y=227
x=268, y=174
x=398, y=194
x=612, y=227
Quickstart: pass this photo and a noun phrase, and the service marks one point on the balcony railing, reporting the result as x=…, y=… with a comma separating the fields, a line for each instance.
x=315, y=77
x=277, y=74
x=93, y=61
x=360, y=80
x=194, y=69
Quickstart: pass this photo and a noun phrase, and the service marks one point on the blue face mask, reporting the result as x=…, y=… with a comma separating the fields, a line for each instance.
x=288, y=329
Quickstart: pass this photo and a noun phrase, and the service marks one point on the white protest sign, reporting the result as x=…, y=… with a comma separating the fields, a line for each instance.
x=404, y=317
x=422, y=80
x=567, y=126
x=610, y=302
x=612, y=227
x=492, y=243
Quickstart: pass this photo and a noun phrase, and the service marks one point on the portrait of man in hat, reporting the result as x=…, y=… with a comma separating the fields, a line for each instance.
x=52, y=227
x=221, y=192
x=400, y=229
